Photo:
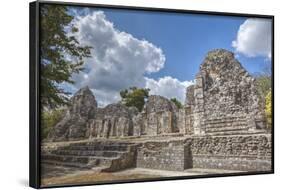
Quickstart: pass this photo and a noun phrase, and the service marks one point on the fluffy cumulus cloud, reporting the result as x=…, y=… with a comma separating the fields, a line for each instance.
x=168, y=87
x=254, y=38
x=119, y=60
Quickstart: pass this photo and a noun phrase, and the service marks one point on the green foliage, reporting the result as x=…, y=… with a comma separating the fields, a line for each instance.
x=176, y=102
x=57, y=44
x=134, y=97
x=263, y=80
x=268, y=108
x=264, y=84
x=48, y=120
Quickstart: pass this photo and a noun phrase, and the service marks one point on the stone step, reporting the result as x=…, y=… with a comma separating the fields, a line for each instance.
x=228, y=117
x=225, y=126
x=228, y=125
x=111, y=156
x=96, y=148
x=102, y=143
x=66, y=164
x=75, y=159
x=228, y=128
x=242, y=121
x=60, y=158
x=237, y=122
x=87, y=153
x=233, y=133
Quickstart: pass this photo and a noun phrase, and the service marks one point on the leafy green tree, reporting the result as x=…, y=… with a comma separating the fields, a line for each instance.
x=264, y=85
x=268, y=108
x=134, y=97
x=49, y=119
x=61, y=54
x=176, y=102
x=263, y=80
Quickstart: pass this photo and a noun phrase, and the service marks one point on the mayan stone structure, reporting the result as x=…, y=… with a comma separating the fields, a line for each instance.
x=224, y=98
x=221, y=125
x=73, y=124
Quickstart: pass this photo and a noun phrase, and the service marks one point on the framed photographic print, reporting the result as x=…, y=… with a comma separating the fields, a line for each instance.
x=130, y=94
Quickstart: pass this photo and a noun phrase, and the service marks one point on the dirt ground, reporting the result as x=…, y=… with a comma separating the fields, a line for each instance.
x=56, y=175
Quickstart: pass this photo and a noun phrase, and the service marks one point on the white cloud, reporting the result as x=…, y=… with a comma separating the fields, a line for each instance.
x=254, y=38
x=168, y=87
x=119, y=61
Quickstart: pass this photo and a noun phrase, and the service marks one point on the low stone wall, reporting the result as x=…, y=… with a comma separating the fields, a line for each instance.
x=233, y=152
x=236, y=152
x=127, y=160
x=235, y=163
x=164, y=156
x=245, y=153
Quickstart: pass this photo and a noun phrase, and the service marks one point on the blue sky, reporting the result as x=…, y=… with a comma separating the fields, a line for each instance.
x=184, y=40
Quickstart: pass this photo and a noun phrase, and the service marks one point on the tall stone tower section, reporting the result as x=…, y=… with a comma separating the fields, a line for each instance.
x=225, y=98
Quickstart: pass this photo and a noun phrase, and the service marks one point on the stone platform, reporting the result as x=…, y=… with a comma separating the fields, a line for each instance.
x=244, y=152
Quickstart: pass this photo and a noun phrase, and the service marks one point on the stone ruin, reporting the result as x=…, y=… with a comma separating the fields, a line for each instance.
x=221, y=125
x=223, y=100
x=224, y=97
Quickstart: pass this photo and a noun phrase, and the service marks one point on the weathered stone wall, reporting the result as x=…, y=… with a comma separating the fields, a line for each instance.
x=224, y=97
x=159, y=116
x=164, y=156
x=73, y=125
x=115, y=120
x=127, y=160
x=239, y=152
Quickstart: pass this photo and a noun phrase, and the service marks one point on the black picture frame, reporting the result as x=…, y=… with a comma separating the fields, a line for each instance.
x=34, y=90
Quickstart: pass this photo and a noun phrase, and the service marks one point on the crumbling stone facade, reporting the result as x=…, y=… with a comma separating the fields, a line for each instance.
x=222, y=123
x=225, y=97
x=159, y=116
x=232, y=152
x=73, y=125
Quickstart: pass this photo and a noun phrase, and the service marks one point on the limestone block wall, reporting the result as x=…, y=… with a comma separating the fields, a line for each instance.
x=231, y=152
x=137, y=125
x=127, y=160
x=151, y=124
x=224, y=96
x=185, y=121
x=245, y=153
x=164, y=156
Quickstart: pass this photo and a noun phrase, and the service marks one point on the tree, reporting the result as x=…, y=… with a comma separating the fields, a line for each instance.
x=134, y=97
x=49, y=119
x=61, y=54
x=268, y=108
x=263, y=80
x=176, y=102
x=264, y=85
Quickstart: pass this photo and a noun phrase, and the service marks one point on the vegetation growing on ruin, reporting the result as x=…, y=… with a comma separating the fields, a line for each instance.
x=264, y=85
x=134, y=97
x=48, y=121
x=268, y=108
x=176, y=102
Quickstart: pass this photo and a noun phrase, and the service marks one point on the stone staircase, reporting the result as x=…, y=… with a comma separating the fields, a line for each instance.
x=109, y=156
x=227, y=126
